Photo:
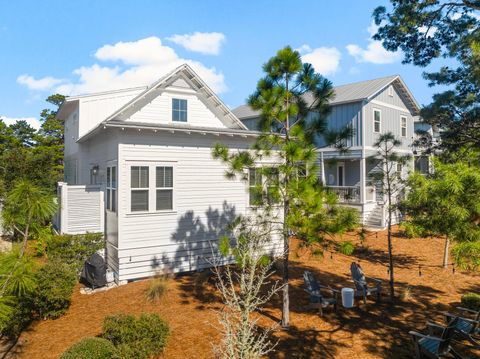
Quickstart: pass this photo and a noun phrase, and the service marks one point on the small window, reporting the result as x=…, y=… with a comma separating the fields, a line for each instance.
x=377, y=121
x=390, y=91
x=255, y=187
x=164, y=188
x=179, y=110
x=403, y=120
x=139, y=183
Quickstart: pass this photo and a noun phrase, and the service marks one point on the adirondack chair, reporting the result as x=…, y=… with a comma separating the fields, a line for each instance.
x=467, y=328
x=435, y=346
x=317, y=300
x=365, y=286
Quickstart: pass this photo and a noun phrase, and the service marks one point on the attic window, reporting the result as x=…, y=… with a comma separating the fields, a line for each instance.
x=179, y=110
x=390, y=91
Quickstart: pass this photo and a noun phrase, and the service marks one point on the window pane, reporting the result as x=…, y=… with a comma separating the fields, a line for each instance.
x=164, y=199
x=139, y=201
x=144, y=177
x=377, y=116
x=114, y=200
x=160, y=176
x=108, y=176
x=135, y=176
x=108, y=199
x=114, y=177
x=255, y=177
x=179, y=110
x=255, y=196
x=168, y=176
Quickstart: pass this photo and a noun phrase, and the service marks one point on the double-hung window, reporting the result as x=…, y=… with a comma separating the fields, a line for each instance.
x=403, y=123
x=377, y=118
x=272, y=183
x=139, y=183
x=179, y=110
x=164, y=188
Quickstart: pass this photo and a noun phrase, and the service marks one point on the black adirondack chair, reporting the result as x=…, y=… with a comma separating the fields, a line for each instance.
x=435, y=344
x=365, y=286
x=317, y=299
x=466, y=328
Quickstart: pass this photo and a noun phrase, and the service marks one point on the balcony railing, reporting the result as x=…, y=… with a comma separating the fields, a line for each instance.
x=346, y=194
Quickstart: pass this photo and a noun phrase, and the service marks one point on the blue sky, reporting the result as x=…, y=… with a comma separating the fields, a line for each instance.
x=85, y=46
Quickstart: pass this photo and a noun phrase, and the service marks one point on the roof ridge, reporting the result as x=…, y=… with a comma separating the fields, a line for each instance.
x=375, y=79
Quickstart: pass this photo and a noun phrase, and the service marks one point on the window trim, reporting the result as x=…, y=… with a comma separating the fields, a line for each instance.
x=110, y=197
x=264, y=184
x=172, y=188
x=180, y=111
x=402, y=117
x=152, y=189
x=379, y=122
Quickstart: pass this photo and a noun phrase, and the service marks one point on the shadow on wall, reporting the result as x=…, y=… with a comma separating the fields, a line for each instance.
x=196, y=237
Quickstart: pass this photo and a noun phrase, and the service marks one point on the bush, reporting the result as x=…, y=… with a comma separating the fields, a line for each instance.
x=467, y=255
x=55, y=282
x=134, y=337
x=471, y=301
x=346, y=247
x=74, y=249
x=90, y=348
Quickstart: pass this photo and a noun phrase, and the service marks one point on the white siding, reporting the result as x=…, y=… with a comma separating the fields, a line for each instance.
x=159, y=110
x=96, y=108
x=205, y=202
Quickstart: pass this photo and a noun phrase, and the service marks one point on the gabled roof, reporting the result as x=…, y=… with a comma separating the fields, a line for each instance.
x=187, y=73
x=354, y=92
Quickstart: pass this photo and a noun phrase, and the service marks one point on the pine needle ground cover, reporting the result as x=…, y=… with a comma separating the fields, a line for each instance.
x=189, y=304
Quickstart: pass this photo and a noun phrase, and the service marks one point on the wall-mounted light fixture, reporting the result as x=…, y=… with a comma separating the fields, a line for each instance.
x=95, y=170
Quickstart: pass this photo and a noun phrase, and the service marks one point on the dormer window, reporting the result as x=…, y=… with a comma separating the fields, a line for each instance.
x=179, y=110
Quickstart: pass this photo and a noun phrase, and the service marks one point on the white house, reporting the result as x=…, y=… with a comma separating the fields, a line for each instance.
x=138, y=166
x=370, y=107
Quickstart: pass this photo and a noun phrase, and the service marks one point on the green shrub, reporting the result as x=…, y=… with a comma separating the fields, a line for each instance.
x=134, y=337
x=90, y=348
x=55, y=282
x=74, y=249
x=346, y=247
x=471, y=301
x=467, y=255
x=412, y=230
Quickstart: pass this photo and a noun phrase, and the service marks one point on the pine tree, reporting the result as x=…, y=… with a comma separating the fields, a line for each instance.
x=388, y=173
x=293, y=102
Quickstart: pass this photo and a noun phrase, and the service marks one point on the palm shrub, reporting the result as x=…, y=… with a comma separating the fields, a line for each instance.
x=90, y=348
x=471, y=301
x=55, y=283
x=134, y=337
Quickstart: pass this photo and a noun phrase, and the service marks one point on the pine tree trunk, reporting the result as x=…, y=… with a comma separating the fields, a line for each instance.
x=446, y=252
x=390, y=257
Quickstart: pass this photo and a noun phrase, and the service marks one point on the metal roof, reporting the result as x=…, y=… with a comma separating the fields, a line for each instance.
x=353, y=92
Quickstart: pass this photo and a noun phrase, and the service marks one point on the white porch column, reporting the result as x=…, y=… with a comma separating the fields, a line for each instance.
x=322, y=171
x=363, y=180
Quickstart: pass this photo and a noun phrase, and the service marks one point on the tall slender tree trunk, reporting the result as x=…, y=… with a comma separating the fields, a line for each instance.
x=389, y=236
x=286, y=244
x=446, y=251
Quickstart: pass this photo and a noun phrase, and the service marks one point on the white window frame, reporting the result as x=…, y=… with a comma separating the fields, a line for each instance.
x=250, y=186
x=152, y=187
x=111, y=196
x=165, y=188
x=379, y=122
x=403, y=125
x=264, y=184
x=186, y=110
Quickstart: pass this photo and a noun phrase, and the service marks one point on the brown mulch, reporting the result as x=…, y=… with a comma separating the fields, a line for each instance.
x=374, y=331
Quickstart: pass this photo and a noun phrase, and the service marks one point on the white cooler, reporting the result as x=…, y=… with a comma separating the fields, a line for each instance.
x=348, y=296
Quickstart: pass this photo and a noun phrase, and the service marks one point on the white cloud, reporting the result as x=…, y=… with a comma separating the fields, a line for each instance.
x=374, y=52
x=134, y=63
x=207, y=43
x=325, y=60
x=304, y=49
x=32, y=121
x=44, y=83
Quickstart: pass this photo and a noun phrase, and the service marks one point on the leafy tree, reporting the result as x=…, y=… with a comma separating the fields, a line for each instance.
x=389, y=175
x=289, y=126
x=446, y=204
x=426, y=30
